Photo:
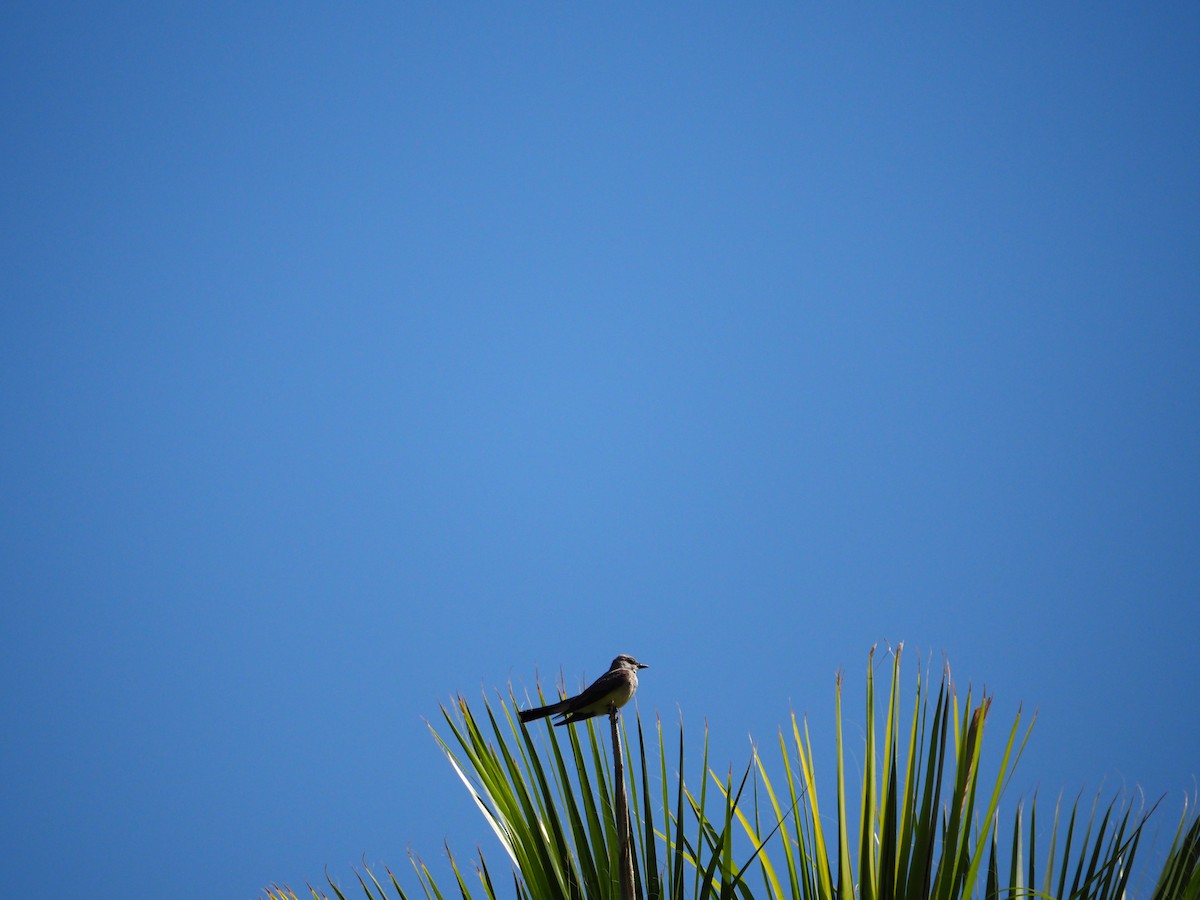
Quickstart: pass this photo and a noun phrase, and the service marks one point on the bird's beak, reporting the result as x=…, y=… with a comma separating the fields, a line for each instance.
x=642, y=666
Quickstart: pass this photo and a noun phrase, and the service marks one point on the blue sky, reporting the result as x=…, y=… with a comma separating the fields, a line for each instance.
x=352, y=358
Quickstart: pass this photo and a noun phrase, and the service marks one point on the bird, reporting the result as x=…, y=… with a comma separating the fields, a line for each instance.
x=608, y=692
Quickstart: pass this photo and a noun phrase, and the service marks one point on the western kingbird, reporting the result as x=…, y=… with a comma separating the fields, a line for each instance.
x=612, y=689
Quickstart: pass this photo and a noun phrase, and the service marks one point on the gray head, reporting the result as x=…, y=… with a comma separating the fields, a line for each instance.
x=624, y=661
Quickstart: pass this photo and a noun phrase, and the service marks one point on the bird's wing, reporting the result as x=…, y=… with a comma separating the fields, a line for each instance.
x=597, y=690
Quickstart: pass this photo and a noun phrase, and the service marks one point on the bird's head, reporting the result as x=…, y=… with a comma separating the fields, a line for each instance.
x=624, y=661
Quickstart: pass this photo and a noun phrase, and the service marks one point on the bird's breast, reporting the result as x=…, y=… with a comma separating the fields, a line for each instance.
x=625, y=691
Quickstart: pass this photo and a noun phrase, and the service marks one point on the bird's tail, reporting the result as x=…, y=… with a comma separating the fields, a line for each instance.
x=540, y=712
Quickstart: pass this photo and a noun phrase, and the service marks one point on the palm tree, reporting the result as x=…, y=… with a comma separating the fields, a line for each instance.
x=925, y=823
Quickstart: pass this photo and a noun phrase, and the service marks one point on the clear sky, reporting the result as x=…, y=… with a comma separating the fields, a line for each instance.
x=352, y=356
